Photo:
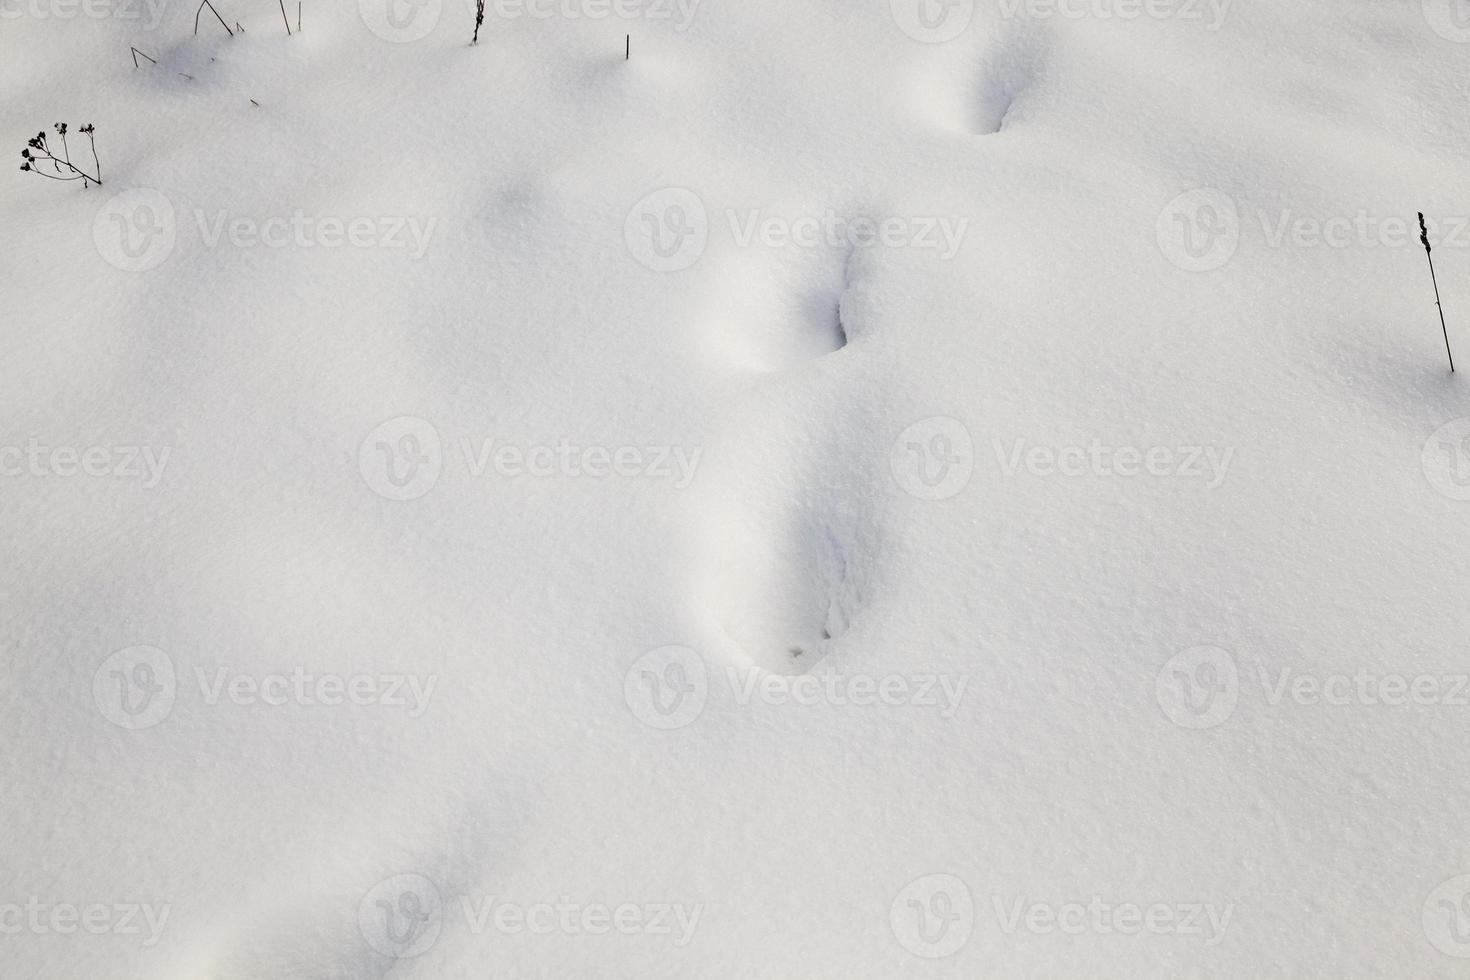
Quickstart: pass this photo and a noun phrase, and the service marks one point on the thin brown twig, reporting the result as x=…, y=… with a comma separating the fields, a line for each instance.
x=95, y=162
x=221, y=20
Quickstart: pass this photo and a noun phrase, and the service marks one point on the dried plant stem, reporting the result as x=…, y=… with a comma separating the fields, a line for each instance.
x=221, y=20
x=1424, y=238
x=33, y=162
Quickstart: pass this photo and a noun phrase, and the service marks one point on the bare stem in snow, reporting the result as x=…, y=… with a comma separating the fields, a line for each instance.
x=221, y=20
x=1424, y=238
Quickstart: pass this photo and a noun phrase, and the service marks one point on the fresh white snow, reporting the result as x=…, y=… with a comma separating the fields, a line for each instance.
x=858, y=489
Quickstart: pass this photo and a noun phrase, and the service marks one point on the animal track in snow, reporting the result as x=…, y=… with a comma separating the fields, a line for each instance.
x=778, y=309
x=787, y=524
x=984, y=92
x=788, y=541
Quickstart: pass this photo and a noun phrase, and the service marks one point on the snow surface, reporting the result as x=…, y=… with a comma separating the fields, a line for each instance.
x=1097, y=689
